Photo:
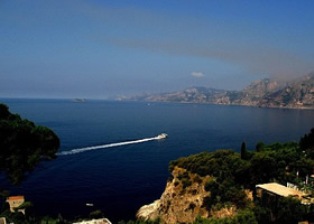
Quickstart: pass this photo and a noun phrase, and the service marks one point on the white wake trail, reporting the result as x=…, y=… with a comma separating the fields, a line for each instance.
x=110, y=145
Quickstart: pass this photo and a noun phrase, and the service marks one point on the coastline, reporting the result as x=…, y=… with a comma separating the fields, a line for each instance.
x=227, y=104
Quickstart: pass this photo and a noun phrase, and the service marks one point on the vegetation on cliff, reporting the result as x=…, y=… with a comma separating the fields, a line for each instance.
x=23, y=144
x=230, y=178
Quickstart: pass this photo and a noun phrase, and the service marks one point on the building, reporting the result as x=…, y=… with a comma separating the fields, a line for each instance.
x=95, y=221
x=276, y=189
x=15, y=202
x=280, y=190
x=269, y=194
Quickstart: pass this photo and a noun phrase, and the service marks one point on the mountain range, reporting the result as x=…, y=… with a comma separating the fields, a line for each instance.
x=297, y=93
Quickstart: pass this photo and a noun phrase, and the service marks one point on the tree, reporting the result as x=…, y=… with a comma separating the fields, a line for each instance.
x=263, y=167
x=260, y=146
x=307, y=143
x=245, y=154
x=23, y=145
x=4, y=111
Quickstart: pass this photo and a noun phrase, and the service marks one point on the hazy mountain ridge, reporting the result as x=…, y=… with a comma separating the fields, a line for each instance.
x=298, y=93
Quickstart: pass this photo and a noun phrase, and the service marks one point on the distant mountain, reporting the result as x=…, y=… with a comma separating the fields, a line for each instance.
x=298, y=93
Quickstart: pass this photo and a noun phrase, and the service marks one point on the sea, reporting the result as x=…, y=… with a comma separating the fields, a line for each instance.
x=110, y=160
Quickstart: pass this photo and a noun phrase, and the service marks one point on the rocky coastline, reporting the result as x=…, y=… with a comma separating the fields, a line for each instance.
x=266, y=93
x=178, y=203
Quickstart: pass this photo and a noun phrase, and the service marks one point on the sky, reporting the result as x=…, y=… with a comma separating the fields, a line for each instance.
x=102, y=49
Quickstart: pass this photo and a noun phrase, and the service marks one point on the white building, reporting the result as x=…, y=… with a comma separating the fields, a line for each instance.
x=95, y=221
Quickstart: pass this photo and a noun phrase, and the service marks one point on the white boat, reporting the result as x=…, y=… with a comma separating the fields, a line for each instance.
x=79, y=100
x=162, y=136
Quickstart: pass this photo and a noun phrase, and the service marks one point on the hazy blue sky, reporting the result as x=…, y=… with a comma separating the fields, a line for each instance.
x=96, y=49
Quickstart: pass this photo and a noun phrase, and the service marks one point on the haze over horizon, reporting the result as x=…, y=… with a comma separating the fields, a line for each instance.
x=102, y=48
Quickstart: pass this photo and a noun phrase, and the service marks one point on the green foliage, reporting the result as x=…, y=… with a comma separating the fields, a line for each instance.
x=289, y=210
x=23, y=144
x=185, y=179
x=50, y=220
x=4, y=111
x=245, y=216
x=262, y=214
x=20, y=218
x=263, y=167
x=233, y=172
x=223, y=193
x=272, y=162
x=307, y=143
x=221, y=164
x=96, y=214
x=228, y=169
x=186, y=183
x=25, y=205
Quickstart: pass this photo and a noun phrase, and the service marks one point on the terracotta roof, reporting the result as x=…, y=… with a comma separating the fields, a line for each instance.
x=12, y=198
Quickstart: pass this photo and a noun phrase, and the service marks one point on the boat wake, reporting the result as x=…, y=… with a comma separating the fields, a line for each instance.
x=110, y=145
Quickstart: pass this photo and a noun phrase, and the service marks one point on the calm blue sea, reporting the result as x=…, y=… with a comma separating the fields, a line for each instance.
x=118, y=180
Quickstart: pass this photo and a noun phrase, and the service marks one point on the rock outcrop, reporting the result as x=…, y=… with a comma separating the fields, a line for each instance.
x=181, y=202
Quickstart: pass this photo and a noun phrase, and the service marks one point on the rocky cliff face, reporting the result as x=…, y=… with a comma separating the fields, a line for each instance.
x=190, y=95
x=181, y=202
x=253, y=94
x=298, y=93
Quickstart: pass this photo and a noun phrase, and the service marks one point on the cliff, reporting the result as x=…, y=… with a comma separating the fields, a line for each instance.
x=218, y=186
x=183, y=200
x=297, y=93
x=179, y=203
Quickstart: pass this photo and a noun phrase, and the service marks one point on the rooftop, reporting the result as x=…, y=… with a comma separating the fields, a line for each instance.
x=95, y=221
x=13, y=198
x=281, y=190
